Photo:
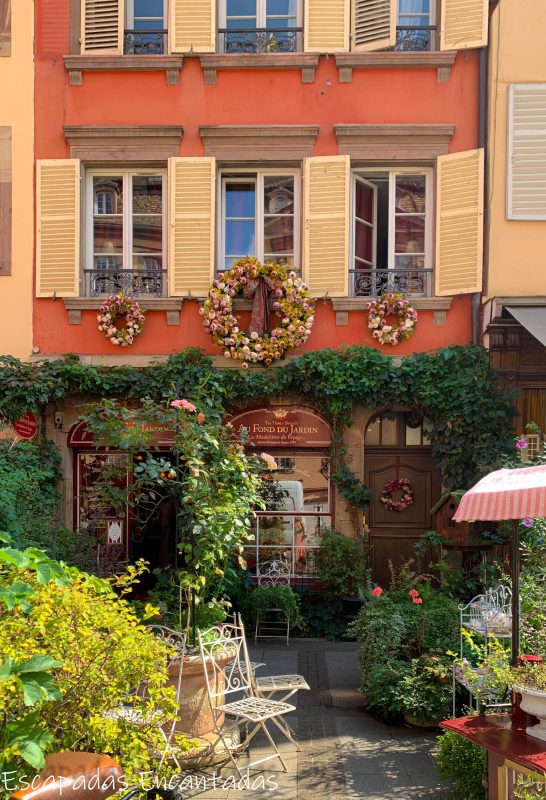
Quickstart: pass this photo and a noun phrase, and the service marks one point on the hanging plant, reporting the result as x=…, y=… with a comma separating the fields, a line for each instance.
x=260, y=283
x=114, y=307
x=391, y=304
x=398, y=485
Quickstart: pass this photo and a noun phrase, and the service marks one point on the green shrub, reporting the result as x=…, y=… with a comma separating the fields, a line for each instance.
x=279, y=596
x=424, y=691
x=99, y=650
x=463, y=764
x=340, y=564
x=321, y=618
x=64, y=544
x=29, y=475
x=392, y=629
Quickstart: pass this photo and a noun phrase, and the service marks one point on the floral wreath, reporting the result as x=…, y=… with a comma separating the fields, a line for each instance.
x=258, y=282
x=119, y=305
x=379, y=310
x=401, y=485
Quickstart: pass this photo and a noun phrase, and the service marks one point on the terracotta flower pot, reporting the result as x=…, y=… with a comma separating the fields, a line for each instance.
x=195, y=712
x=420, y=723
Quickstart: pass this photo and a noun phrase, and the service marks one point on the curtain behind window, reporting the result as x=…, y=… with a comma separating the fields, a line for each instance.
x=534, y=407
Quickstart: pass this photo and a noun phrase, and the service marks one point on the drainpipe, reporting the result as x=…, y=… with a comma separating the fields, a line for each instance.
x=483, y=77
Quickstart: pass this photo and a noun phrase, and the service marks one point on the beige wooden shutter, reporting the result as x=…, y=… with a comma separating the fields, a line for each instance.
x=192, y=26
x=527, y=151
x=102, y=26
x=191, y=219
x=373, y=24
x=463, y=24
x=459, y=223
x=326, y=26
x=58, y=227
x=326, y=225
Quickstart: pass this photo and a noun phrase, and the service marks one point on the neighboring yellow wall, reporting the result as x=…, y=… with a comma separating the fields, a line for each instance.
x=17, y=111
x=516, y=248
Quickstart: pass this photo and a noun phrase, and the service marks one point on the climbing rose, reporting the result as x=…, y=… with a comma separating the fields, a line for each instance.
x=521, y=443
x=183, y=404
x=377, y=591
x=269, y=460
x=200, y=418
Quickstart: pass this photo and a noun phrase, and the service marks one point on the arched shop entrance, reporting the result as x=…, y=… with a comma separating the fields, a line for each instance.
x=299, y=496
x=396, y=446
x=120, y=534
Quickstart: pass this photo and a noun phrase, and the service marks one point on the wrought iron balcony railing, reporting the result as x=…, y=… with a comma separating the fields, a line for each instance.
x=147, y=283
x=145, y=43
x=374, y=282
x=260, y=40
x=415, y=38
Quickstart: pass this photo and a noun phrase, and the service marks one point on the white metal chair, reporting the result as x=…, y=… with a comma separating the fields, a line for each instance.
x=270, y=685
x=275, y=572
x=176, y=642
x=228, y=673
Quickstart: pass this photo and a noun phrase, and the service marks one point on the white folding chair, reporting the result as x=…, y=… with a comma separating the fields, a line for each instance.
x=228, y=673
x=176, y=643
x=268, y=686
x=273, y=573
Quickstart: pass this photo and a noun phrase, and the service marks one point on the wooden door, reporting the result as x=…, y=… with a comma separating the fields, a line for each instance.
x=393, y=534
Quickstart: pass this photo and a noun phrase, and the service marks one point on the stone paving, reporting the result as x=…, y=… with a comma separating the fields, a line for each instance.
x=346, y=753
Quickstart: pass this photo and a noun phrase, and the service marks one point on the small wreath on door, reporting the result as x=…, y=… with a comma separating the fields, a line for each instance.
x=114, y=307
x=398, y=485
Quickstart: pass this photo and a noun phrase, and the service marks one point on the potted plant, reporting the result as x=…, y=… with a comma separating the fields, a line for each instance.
x=214, y=488
x=529, y=680
x=424, y=693
x=340, y=566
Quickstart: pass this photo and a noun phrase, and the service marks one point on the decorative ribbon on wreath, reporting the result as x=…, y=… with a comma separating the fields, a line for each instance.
x=258, y=290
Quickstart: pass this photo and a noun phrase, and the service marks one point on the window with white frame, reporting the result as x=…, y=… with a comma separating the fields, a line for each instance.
x=256, y=26
x=416, y=25
x=391, y=231
x=145, y=27
x=259, y=216
x=125, y=230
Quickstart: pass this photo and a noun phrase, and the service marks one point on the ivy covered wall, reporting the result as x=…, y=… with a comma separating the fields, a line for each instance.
x=455, y=388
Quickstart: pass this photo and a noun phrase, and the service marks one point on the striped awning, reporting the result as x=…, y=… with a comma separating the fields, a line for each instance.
x=506, y=494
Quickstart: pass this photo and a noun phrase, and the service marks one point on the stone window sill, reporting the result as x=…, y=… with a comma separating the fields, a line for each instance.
x=442, y=61
x=170, y=305
x=307, y=62
x=77, y=65
x=439, y=305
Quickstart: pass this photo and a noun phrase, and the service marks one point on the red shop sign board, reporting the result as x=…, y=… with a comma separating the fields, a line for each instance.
x=27, y=426
x=289, y=426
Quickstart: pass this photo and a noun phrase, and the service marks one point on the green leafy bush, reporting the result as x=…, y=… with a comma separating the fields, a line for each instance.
x=463, y=764
x=282, y=597
x=95, y=651
x=340, y=564
x=29, y=475
x=393, y=631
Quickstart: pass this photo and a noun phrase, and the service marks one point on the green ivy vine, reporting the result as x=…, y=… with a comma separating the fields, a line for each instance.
x=455, y=388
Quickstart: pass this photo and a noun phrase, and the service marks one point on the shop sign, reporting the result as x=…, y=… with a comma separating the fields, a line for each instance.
x=161, y=435
x=287, y=426
x=27, y=426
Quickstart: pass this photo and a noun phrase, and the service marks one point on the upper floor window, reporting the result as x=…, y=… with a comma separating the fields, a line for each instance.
x=416, y=25
x=5, y=27
x=145, y=27
x=391, y=232
x=125, y=232
x=260, y=26
x=259, y=216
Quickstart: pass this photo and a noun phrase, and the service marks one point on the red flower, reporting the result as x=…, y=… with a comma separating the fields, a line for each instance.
x=200, y=418
x=377, y=591
x=417, y=601
x=413, y=593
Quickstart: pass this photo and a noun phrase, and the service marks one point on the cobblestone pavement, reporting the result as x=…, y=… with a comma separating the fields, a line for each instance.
x=346, y=753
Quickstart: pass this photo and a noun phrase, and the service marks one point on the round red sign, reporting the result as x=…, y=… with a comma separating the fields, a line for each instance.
x=27, y=426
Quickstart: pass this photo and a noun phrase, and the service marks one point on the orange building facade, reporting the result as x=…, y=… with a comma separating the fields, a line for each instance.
x=173, y=137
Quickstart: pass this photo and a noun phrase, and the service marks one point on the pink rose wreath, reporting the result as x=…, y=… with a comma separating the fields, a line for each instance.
x=398, y=485
x=260, y=283
x=395, y=305
x=119, y=305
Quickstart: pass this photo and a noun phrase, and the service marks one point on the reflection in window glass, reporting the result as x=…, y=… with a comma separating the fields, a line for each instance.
x=298, y=508
x=5, y=201
x=5, y=27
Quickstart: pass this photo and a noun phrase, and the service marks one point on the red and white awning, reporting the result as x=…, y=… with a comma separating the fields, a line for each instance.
x=506, y=494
